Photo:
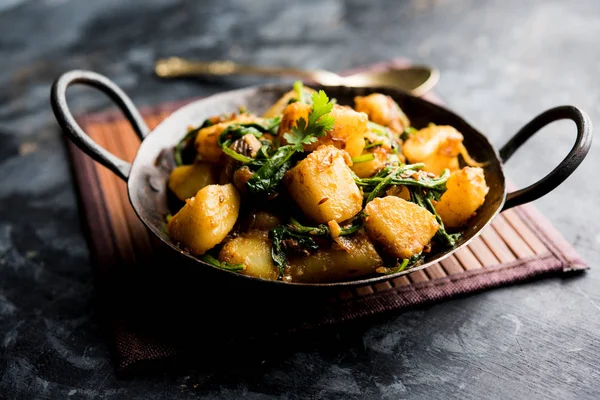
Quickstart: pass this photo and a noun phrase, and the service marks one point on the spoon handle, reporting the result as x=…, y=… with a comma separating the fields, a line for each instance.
x=175, y=67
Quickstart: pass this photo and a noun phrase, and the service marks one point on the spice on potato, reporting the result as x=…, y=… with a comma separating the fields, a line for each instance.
x=465, y=193
x=325, y=174
x=206, y=218
x=437, y=146
x=186, y=180
x=382, y=110
x=403, y=228
x=253, y=251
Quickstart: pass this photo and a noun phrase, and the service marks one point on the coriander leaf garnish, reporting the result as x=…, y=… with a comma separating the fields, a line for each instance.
x=318, y=123
x=269, y=174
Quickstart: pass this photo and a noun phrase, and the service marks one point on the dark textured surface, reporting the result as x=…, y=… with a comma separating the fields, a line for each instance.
x=502, y=62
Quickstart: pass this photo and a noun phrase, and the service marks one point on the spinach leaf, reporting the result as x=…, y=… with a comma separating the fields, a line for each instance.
x=270, y=174
x=278, y=251
x=407, y=133
x=400, y=265
x=424, y=199
x=403, y=175
x=323, y=230
x=221, y=264
x=190, y=137
x=363, y=158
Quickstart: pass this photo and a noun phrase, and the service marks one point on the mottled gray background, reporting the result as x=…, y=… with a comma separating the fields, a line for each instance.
x=502, y=62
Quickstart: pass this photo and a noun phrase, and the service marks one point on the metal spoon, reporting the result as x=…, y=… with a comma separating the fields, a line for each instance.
x=415, y=79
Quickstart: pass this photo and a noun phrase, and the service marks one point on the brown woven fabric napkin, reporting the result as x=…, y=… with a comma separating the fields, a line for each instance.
x=157, y=309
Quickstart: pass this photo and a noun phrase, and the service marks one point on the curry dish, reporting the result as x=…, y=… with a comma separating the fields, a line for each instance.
x=313, y=191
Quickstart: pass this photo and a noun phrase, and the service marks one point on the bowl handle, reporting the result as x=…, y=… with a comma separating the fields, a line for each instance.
x=74, y=132
x=565, y=168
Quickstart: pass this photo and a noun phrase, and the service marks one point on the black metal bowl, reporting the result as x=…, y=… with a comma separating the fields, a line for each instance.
x=148, y=175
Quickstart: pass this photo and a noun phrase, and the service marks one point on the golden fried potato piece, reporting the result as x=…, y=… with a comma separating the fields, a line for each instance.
x=186, y=180
x=348, y=130
x=336, y=264
x=466, y=191
x=205, y=220
x=206, y=140
x=382, y=110
x=438, y=146
x=404, y=228
x=253, y=250
x=277, y=108
x=323, y=186
x=369, y=168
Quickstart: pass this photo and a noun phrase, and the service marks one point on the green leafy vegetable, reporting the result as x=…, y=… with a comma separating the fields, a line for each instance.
x=190, y=137
x=384, y=183
x=237, y=131
x=270, y=171
x=323, y=230
x=221, y=264
x=370, y=145
x=423, y=191
x=303, y=237
x=279, y=236
x=235, y=155
x=271, y=125
x=402, y=175
x=363, y=158
x=400, y=266
x=318, y=123
x=386, y=134
x=379, y=130
x=425, y=199
x=408, y=132
x=299, y=89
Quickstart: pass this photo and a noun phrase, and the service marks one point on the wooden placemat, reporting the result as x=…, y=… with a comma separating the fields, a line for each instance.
x=519, y=245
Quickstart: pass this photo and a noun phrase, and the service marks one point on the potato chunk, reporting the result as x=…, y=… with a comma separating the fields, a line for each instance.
x=206, y=219
x=382, y=110
x=277, y=108
x=323, y=186
x=404, y=228
x=206, y=140
x=466, y=191
x=348, y=130
x=437, y=146
x=253, y=250
x=186, y=180
x=335, y=264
